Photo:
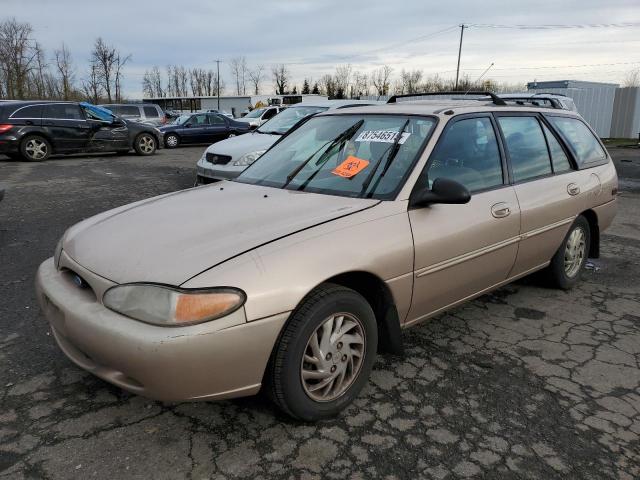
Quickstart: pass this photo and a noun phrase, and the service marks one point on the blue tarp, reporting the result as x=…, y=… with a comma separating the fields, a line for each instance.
x=100, y=112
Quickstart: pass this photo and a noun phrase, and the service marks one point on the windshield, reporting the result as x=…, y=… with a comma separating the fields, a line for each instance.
x=257, y=113
x=182, y=119
x=367, y=156
x=282, y=122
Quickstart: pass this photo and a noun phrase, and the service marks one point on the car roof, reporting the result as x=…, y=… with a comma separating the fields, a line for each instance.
x=439, y=107
x=333, y=104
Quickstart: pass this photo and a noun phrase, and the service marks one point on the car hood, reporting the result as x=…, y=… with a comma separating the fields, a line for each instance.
x=248, y=120
x=170, y=239
x=237, y=146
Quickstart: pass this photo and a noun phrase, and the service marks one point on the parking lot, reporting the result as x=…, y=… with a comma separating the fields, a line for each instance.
x=526, y=382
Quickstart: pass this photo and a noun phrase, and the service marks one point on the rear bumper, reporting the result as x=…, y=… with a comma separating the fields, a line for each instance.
x=9, y=145
x=224, y=358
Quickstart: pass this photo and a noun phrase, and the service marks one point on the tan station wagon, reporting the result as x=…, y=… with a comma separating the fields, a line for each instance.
x=358, y=223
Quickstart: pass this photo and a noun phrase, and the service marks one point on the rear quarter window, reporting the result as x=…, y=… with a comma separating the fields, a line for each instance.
x=151, y=112
x=581, y=140
x=129, y=111
x=31, y=111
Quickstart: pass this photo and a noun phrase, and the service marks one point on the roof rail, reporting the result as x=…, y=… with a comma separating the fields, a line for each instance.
x=554, y=102
x=494, y=98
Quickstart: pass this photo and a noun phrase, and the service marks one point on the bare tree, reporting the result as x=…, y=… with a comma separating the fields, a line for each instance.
x=327, y=85
x=410, y=81
x=120, y=62
x=239, y=69
x=91, y=86
x=342, y=80
x=380, y=79
x=281, y=78
x=66, y=73
x=256, y=76
x=152, y=83
x=18, y=54
x=103, y=58
x=359, y=85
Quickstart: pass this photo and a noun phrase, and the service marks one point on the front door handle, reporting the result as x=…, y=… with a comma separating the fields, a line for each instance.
x=500, y=210
x=573, y=189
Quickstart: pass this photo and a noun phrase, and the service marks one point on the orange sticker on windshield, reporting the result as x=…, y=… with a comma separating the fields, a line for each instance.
x=350, y=167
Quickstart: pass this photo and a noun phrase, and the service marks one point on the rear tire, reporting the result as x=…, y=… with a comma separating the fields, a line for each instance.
x=171, y=140
x=568, y=262
x=35, y=148
x=145, y=144
x=324, y=355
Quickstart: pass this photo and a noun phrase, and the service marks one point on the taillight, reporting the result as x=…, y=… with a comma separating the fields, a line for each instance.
x=5, y=128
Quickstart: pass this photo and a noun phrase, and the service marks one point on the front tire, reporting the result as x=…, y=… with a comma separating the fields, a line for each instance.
x=145, y=144
x=568, y=262
x=171, y=140
x=35, y=148
x=324, y=355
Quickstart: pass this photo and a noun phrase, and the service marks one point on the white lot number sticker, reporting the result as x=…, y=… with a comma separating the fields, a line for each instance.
x=382, y=136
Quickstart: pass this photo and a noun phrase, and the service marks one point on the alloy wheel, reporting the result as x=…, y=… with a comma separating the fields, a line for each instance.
x=333, y=357
x=36, y=149
x=172, y=141
x=146, y=144
x=574, y=252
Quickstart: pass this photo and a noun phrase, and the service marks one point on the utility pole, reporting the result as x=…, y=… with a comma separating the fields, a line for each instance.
x=218, y=82
x=462, y=27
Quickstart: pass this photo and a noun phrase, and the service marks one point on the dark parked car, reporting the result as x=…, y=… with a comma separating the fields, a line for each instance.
x=201, y=128
x=34, y=130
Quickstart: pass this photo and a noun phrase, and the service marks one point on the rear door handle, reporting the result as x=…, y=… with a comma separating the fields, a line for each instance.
x=500, y=210
x=573, y=189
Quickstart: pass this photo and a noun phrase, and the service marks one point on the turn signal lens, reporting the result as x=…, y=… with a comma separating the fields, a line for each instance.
x=168, y=306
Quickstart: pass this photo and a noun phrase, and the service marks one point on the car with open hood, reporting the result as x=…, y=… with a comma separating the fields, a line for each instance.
x=357, y=224
x=229, y=158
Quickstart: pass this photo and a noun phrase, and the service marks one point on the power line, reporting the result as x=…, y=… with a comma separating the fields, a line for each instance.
x=556, y=26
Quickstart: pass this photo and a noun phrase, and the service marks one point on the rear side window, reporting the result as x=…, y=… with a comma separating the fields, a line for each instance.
x=216, y=120
x=62, y=111
x=526, y=146
x=584, y=144
x=468, y=153
x=269, y=113
x=559, y=158
x=32, y=111
x=151, y=112
x=128, y=111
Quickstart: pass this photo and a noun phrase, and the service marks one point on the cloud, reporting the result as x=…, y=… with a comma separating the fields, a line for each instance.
x=314, y=36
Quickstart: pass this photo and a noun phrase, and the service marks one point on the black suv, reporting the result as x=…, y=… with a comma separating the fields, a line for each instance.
x=34, y=130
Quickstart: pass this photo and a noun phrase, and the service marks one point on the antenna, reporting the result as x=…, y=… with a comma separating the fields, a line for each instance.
x=479, y=78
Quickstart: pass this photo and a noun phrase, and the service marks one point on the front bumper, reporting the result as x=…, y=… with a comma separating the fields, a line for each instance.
x=207, y=171
x=224, y=358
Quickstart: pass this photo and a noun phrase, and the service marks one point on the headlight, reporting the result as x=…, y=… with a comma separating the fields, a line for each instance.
x=248, y=159
x=172, y=307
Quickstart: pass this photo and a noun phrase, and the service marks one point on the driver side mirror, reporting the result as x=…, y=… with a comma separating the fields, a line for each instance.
x=443, y=190
x=188, y=125
x=117, y=122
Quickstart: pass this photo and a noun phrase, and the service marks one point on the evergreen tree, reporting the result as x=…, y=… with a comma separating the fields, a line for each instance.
x=316, y=89
x=295, y=90
x=305, y=87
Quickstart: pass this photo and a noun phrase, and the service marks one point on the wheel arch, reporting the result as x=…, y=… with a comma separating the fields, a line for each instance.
x=594, y=233
x=378, y=294
x=37, y=133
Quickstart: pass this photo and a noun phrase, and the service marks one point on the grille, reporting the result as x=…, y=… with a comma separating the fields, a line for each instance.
x=217, y=159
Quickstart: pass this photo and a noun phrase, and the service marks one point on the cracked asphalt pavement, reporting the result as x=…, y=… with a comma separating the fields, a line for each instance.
x=526, y=382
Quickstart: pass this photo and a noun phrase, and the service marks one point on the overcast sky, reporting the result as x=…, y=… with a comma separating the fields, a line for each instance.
x=315, y=36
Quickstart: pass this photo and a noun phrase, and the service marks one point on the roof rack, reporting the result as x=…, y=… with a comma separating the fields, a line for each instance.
x=494, y=98
x=535, y=98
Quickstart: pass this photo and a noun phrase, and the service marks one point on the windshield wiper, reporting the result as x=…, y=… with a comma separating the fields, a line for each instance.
x=339, y=139
x=393, y=151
